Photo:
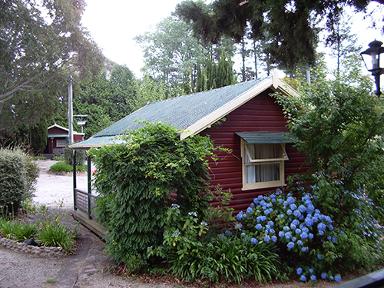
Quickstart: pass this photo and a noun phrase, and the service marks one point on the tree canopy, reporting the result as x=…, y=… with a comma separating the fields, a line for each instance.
x=288, y=28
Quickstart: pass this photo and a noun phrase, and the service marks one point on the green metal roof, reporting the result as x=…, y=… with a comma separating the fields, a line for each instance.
x=266, y=137
x=179, y=112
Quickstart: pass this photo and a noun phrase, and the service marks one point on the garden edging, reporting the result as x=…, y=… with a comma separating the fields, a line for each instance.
x=35, y=250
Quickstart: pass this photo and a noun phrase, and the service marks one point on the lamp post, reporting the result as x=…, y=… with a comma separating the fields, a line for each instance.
x=374, y=62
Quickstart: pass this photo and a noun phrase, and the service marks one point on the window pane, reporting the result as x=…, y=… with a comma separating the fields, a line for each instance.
x=264, y=151
x=262, y=173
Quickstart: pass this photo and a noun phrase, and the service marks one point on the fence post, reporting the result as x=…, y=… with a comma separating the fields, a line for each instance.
x=89, y=174
x=74, y=181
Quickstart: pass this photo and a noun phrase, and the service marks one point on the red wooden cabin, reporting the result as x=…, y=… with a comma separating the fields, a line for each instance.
x=58, y=139
x=243, y=117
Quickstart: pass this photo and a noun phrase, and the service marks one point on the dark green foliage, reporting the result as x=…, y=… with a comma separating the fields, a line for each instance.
x=56, y=235
x=135, y=181
x=63, y=167
x=17, y=230
x=215, y=75
x=81, y=156
x=195, y=254
x=18, y=174
x=277, y=23
x=339, y=126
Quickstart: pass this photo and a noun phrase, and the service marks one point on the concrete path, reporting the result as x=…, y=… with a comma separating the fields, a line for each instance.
x=56, y=190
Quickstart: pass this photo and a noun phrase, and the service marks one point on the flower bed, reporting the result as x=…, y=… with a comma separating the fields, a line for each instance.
x=35, y=250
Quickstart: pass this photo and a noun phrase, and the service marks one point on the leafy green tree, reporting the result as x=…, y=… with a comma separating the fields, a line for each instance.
x=339, y=125
x=280, y=23
x=106, y=98
x=172, y=55
x=149, y=90
x=40, y=45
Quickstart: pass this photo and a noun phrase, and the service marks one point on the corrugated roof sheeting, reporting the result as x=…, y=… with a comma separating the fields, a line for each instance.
x=266, y=137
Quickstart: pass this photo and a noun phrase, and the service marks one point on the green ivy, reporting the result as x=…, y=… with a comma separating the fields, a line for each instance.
x=137, y=181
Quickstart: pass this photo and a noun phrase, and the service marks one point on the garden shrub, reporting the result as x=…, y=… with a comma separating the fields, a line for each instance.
x=81, y=156
x=17, y=230
x=191, y=253
x=137, y=181
x=18, y=174
x=309, y=240
x=63, y=167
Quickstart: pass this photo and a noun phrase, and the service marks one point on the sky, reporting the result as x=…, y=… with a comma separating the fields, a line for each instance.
x=114, y=24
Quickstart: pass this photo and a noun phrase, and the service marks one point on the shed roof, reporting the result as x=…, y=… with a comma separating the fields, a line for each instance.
x=190, y=113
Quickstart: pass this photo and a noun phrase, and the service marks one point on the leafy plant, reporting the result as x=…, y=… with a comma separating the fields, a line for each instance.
x=194, y=254
x=56, y=235
x=62, y=167
x=136, y=181
x=18, y=174
x=17, y=230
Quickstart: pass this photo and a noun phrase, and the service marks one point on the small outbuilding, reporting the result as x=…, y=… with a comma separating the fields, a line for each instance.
x=58, y=139
x=244, y=117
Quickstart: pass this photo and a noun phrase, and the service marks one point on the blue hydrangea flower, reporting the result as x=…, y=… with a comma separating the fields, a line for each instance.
x=254, y=241
x=267, y=238
x=313, y=278
x=304, y=249
x=297, y=213
x=286, y=228
x=305, y=229
x=304, y=235
x=290, y=245
x=310, y=270
x=323, y=275
x=294, y=239
x=289, y=212
x=259, y=226
x=239, y=216
x=293, y=226
x=321, y=233
x=310, y=236
x=308, y=222
x=334, y=239
x=293, y=206
x=303, y=278
x=321, y=226
x=288, y=235
x=256, y=201
x=302, y=208
x=290, y=200
x=270, y=223
x=249, y=210
x=337, y=278
x=298, y=231
x=274, y=238
x=281, y=234
x=300, y=243
x=299, y=271
x=296, y=222
x=281, y=216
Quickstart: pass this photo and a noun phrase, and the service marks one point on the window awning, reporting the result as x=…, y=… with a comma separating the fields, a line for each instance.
x=266, y=137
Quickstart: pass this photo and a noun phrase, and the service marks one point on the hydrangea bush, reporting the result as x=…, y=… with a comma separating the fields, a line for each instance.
x=305, y=237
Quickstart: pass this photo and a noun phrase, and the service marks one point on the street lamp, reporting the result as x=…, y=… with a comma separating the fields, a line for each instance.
x=374, y=62
x=81, y=121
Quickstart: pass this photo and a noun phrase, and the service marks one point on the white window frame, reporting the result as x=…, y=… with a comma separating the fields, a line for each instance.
x=266, y=184
x=59, y=143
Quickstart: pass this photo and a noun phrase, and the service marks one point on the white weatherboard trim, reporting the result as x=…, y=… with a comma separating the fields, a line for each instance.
x=227, y=108
x=63, y=128
x=57, y=126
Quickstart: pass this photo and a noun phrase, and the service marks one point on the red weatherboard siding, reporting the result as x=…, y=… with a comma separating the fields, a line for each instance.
x=261, y=113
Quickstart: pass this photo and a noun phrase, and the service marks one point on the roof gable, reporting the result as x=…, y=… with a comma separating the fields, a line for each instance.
x=191, y=113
